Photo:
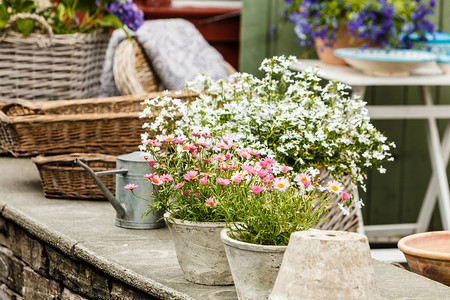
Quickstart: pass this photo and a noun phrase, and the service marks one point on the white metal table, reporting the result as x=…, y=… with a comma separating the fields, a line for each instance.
x=438, y=187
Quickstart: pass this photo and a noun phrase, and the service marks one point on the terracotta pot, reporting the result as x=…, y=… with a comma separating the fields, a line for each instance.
x=428, y=254
x=344, y=40
x=200, y=252
x=254, y=267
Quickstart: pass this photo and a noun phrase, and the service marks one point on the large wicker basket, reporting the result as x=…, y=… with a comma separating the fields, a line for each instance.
x=98, y=125
x=62, y=178
x=48, y=66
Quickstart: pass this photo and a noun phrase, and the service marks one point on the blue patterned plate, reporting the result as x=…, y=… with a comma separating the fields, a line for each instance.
x=385, y=62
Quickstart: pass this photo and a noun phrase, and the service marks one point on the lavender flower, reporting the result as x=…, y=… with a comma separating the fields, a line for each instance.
x=128, y=13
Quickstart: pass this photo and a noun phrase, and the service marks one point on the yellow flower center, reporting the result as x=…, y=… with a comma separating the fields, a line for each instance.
x=334, y=188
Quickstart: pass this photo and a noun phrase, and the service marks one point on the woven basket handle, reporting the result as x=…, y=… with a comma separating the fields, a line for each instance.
x=21, y=16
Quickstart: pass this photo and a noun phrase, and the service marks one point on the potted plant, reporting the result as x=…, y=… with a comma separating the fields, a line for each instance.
x=353, y=23
x=53, y=44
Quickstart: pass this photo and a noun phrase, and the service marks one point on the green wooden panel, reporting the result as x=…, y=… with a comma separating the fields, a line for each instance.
x=392, y=197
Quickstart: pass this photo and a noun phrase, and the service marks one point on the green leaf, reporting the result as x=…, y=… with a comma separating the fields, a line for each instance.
x=110, y=21
x=25, y=26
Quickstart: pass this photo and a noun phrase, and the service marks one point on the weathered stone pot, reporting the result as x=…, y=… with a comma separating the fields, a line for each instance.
x=200, y=252
x=323, y=264
x=254, y=267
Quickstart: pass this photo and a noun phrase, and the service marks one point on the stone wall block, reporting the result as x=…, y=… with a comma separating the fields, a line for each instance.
x=69, y=295
x=37, y=287
x=8, y=294
x=30, y=250
x=24, y=246
x=5, y=232
x=119, y=292
x=11, y=270
x=78, y=276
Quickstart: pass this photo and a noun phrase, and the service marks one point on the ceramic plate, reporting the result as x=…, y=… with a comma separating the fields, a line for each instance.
x=389, y=55
x=385, y=62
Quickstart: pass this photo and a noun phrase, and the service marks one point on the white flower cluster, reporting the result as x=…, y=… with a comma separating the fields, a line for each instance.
x=290, y=116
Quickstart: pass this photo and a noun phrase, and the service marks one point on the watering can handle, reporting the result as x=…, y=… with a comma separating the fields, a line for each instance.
x=111, y=172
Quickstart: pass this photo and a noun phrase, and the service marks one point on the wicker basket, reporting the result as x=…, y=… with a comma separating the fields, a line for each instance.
x=336, y=219
x=133, y=74
x=48, y=67
x=98, y=125
x=62, y=178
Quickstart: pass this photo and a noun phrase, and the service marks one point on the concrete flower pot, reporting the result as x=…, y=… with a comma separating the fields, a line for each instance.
x=200, y=252
x=322, y=264
x=254, y=267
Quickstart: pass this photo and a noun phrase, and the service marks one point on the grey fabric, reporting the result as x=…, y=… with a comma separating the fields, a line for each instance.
x=176, y=49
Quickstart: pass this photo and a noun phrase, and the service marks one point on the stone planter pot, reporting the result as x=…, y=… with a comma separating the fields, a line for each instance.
x=200, y=252
x=254, y=267
x=324, y=264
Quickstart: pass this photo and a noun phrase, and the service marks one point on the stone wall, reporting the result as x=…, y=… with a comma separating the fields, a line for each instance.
x=32, y=269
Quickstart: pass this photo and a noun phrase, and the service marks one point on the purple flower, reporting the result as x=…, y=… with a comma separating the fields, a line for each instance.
x=128, y=13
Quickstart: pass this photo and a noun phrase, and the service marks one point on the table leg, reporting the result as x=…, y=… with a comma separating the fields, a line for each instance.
x=437, y=163
x=426, y=211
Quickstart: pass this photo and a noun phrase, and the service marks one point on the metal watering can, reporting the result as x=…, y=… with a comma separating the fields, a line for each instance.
x=129, y=209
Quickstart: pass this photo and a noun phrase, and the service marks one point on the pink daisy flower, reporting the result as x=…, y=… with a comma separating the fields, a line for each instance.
x=131, y=186
x=257, y=189
x=269, y=161
x=166, y=177
x=302, y=178
x=281, y=184
x=195, y=133
x=335, y=186
x=204, y=180
x=219, y=157
x=222, y=146
x=211, y=202
x=149, y=176
x=243, y=153
x=284, y=169
x=179, y=185
x=156, y=180
x=168, y=138
x=185, y=193
x=252, y=151
x=191, y=175
x=151, y=163
x=223, y=181
x=345, y=196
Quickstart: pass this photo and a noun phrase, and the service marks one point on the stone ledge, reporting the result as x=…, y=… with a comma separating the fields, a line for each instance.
x=142, y=259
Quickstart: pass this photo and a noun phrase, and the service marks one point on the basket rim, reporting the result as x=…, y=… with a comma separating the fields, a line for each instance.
x=41, y=159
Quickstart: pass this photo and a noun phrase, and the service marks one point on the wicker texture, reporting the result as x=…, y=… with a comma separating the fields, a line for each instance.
x=62, y=178
x=336, y=219
x=132, y=72
x=48, y=67
x=99, y=125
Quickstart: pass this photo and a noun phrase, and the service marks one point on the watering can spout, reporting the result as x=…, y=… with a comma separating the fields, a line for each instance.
x=120, y=209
